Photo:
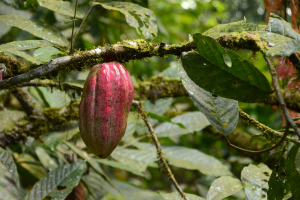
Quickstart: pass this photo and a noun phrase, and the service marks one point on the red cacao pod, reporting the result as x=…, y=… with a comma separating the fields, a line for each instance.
x=104, y=107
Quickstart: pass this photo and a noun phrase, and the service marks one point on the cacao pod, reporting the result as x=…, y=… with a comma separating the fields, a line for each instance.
x=104, y=107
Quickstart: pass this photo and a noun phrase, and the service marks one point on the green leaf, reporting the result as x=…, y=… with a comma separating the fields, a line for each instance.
x=234, y=27
x=283, y=47
x=8, y=189
x=164, y=119
x=293, y=176
x=119, y=166
x=24, y=45
x=97, y=186
x=8, y=118
x=194, y=160
x=45, y=54
x=276, y=187
x=242, y=81
x=29, y=163
x=131, y=192
x=24, y=55
x=142, y=19
x=53, y=98
x=255, y=179
x=176, y=196
x=159, y=108
x=280, y=26
x=136, y=159
x=58, y=183
x=53, y=139
x=8, y=162
x=90, y=161
x=223, y=187
x=43, y=31
x=193, y=121
x=62, y=7
x=45, y=159
x=222, y=113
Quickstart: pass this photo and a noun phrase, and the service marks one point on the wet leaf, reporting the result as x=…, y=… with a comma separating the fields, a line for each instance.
x=222, y=113
x=40, y=30
x=136, y=16
x=62, y=7
x=192, y=121
x=242, y=82
x=58, y=183
x=24, y=45
x=223, y=187
x=255, y=179
x=45, y=54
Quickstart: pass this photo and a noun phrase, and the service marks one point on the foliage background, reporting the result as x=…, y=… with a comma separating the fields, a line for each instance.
x=140, y=175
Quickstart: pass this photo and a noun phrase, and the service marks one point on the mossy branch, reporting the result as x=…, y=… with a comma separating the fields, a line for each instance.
x=121, y=52
x=159, y=87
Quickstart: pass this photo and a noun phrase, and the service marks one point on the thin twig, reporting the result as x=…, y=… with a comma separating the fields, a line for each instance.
x=82, y=23
x=279, y=96
x=160, y=155
x=74, y=20
x=261, y=151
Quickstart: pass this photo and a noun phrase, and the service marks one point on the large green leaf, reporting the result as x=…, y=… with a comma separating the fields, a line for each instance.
x=55, y=138
x=279, y=34
x=45, y=54
x=223, y=187
x=280, y=26
x=188, y=158
x=193, y=121
x=90, y=161
x=119, y=166
x=255, y=179
x=222, y=113
x=97, y=186
x=62, y=7
x=136, y=159
x=292, y=174
x=24, y=55
x=224, y=73
x=7, y=161
x=24, y=45
x=142, y=19
x=131, y=192
x=40, y=30
x=234, y=27
x=8, y=189
x=58, y=183
x=276, y=187
x=285, y=47
x=193, y=159
x=45, y=159
x=176, y=196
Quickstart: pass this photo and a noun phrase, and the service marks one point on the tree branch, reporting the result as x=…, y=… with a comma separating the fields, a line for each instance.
x=160, y=155
x=120, y=52
x=159, y=87
x=279, y=96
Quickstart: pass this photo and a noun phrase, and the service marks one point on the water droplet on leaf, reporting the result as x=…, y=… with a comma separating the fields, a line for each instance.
x=227, y=60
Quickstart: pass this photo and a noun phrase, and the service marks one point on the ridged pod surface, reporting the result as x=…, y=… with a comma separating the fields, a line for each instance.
x=104, y=107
